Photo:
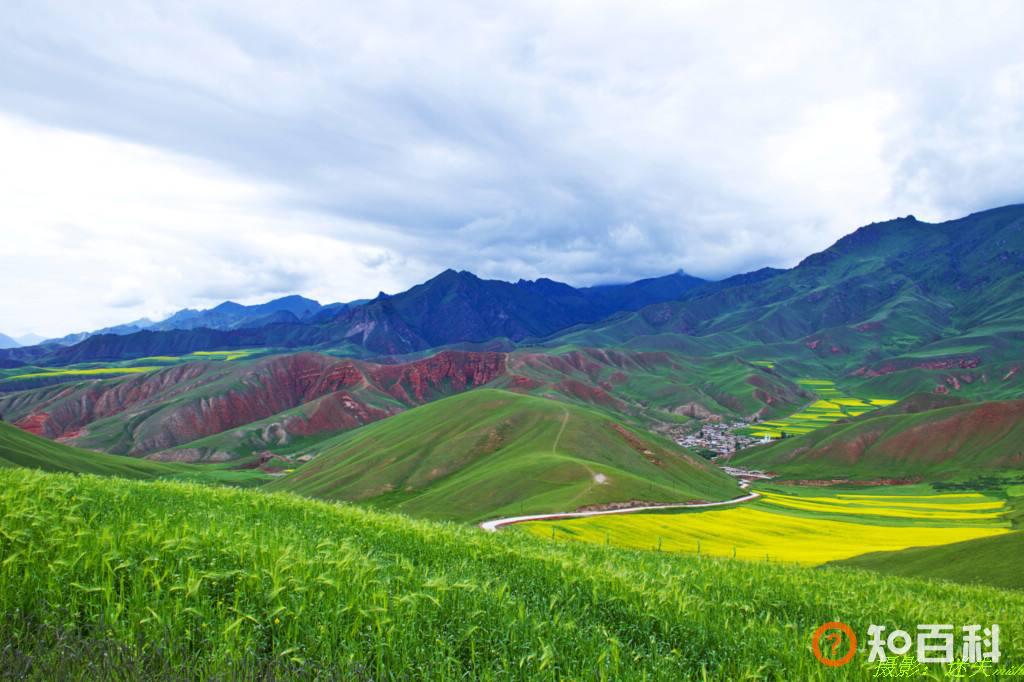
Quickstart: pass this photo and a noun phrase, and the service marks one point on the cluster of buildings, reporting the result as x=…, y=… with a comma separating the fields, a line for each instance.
x=718, y=437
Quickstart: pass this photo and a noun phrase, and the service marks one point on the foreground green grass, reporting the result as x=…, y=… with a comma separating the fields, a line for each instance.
x=104, y=578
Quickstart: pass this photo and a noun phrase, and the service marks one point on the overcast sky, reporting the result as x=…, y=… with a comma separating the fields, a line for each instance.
x=158, y=155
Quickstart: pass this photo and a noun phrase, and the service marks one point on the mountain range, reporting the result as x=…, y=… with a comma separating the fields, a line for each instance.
x=930, y=315
x=453, y=307
x=228, y=315
x=944, y=283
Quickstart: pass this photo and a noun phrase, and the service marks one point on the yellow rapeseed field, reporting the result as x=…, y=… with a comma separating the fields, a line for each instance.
x=756, y=531
x=894, y=507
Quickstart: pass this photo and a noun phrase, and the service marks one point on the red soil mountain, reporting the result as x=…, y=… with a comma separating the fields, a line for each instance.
x=263, y=403
x=936, y=443
x=177, y=405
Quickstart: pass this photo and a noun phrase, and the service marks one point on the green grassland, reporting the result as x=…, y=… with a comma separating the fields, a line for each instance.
x=113, y=579
x=802, y=526
x=490, y=453
x=21, y=449
x=987, y=561
x=58, y=372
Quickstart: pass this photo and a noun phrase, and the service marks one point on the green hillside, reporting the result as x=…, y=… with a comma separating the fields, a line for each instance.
x=987, y=561
x=191, y=582
x=490, y=453
x=949, y=442
x=21, y=449
x=905, y=306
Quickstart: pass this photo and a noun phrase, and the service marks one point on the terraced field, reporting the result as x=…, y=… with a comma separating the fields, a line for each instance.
x=51, y=372
x=833, y=406
x=791, y=525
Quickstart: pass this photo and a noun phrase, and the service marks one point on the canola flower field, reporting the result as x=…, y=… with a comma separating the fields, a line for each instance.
x=834, y=405
x=808, y=530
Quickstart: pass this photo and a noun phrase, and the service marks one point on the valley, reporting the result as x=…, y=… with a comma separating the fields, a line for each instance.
x=308, y=482
x=511, y=342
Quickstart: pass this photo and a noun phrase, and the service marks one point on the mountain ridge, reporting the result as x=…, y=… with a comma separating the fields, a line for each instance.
x=452, y=307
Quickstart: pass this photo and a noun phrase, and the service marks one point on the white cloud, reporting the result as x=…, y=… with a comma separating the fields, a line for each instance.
x=347, y=149
x=97, y=231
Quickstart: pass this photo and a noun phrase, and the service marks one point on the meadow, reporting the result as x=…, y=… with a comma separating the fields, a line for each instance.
x=808, y=528
x=489, y=453
x=21, y=449
x=833, y=406
x=104, y=578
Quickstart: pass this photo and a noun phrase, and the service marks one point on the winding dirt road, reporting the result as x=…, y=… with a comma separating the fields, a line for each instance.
x=494, y=524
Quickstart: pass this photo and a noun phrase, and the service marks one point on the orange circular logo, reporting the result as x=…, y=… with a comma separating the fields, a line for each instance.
x=833, y=640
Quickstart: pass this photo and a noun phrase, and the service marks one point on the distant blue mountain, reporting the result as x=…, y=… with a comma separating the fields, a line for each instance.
x=453, y=307
x=231, y=315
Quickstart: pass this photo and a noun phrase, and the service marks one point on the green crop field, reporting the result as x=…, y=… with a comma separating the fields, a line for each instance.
x=224, y=355
x=48, y=372
x=491, y=453
x=114, y=579
x=834, y=405
x=28, y=376
x=797, y=526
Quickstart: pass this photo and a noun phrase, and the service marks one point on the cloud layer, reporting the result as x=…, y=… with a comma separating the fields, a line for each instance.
x=165, y=154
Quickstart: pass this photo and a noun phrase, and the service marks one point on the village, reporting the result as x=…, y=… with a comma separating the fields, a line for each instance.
x=718, y=439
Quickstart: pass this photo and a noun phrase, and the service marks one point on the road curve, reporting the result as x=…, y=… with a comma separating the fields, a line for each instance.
x=494, y=524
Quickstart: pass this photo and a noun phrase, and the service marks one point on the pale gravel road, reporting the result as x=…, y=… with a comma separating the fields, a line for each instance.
x=494, y=524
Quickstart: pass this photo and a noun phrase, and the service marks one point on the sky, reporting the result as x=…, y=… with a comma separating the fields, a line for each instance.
x=162, y=155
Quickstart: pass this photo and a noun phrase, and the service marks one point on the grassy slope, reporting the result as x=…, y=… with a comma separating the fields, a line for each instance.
x=490, y=453
x=21, y=449
x=944, y=443
x=183, y=581
x=987, y=561
x=901, y=290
